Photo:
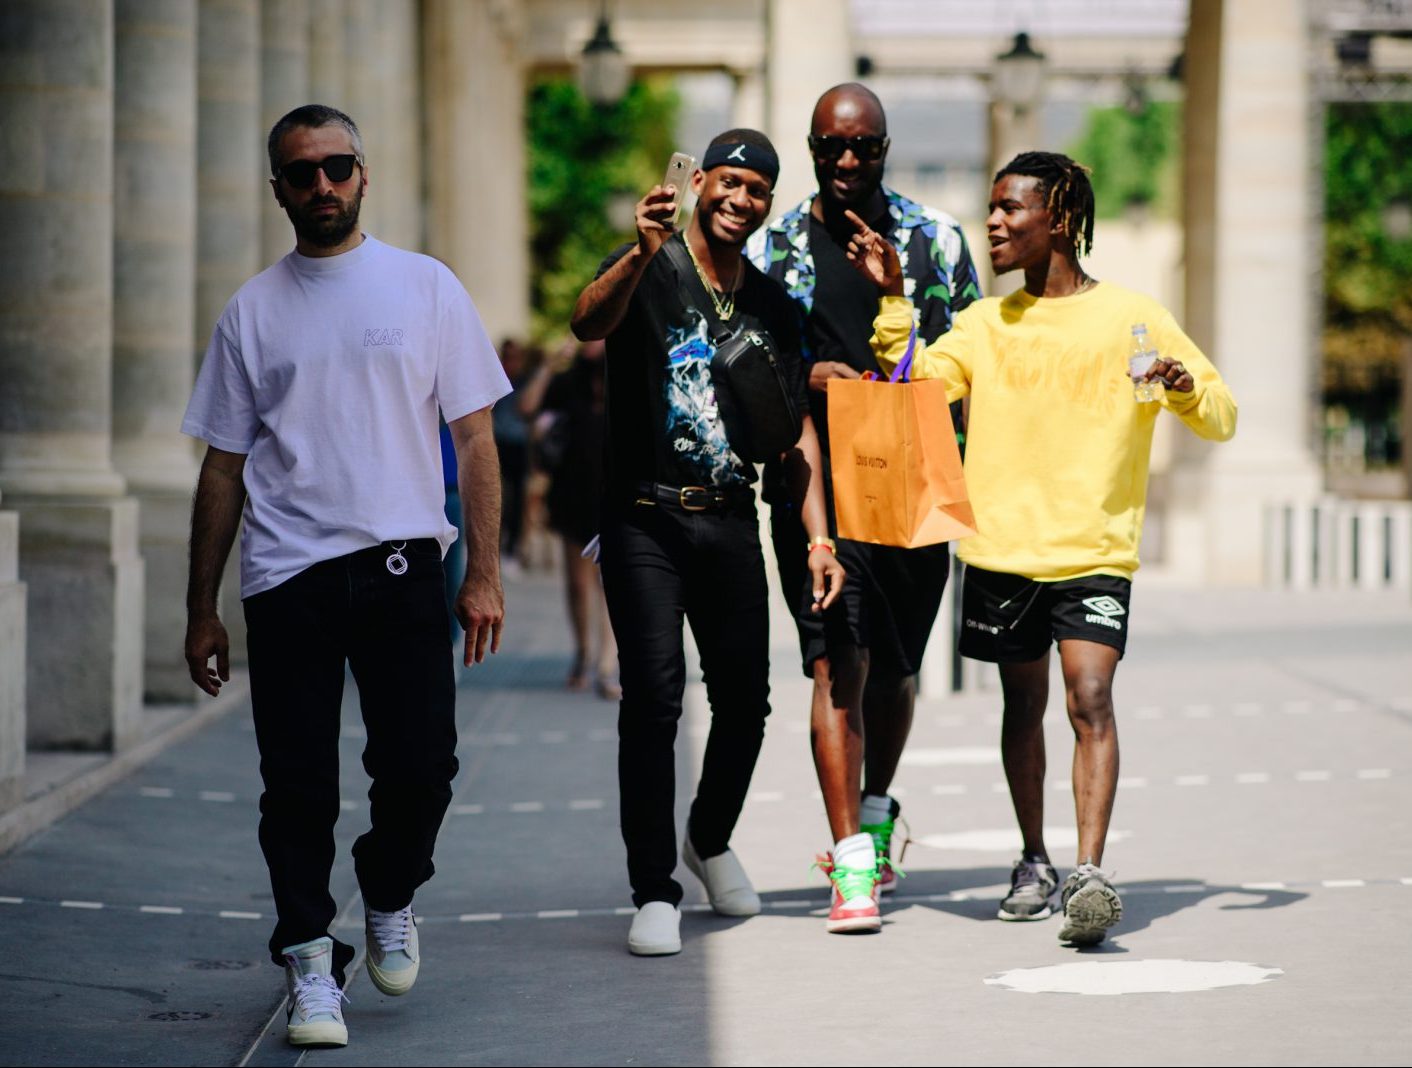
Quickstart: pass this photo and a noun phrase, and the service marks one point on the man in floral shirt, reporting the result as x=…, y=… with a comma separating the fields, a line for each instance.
x=864, y=653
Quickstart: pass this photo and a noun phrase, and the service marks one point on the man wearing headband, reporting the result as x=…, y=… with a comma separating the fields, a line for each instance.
x=679, y=535
x=864, y=655
x=318, y=398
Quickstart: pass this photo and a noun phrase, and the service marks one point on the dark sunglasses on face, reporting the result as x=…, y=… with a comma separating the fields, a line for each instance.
x=869, y=149
x=300, y=173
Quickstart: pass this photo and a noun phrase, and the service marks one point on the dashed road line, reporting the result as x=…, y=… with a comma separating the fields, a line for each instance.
x=161, y=910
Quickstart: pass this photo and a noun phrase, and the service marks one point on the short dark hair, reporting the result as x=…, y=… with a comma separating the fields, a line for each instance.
x=314, y=115
x=1067, y=192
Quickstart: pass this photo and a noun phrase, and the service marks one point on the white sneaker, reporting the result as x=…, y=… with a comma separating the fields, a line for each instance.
x=315, y=1012
x=394, y=955
x=656, y=930
x=725, y=880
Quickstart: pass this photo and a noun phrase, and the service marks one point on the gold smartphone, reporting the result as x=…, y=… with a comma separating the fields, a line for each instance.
x=680, y=168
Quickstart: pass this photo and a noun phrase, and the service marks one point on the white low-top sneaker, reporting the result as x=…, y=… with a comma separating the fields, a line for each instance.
x=656, y=930
x=315, y=1013
x=725, y=880
x=394, y=956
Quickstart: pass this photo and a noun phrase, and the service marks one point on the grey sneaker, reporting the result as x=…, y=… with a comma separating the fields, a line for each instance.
x=1091, y=906
x=1033, y=893
x=315, y=1013
x=394, y=956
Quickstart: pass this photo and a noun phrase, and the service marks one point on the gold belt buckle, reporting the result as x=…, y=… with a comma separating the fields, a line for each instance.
x=684, y=501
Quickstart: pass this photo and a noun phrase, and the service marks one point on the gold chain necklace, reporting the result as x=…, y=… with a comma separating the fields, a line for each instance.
x=724, y=308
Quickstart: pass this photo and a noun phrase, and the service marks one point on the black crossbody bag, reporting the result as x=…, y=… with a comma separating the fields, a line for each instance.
x=758, y=409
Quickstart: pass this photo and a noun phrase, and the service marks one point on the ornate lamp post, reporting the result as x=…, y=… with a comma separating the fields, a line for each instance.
x=603, y=69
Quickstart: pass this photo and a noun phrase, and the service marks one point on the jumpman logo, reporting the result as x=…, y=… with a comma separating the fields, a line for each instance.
x=738, y=153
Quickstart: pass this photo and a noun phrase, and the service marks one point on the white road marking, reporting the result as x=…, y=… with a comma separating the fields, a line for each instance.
x=12, y=901
x=216, y=795
x=1373, y=773
x=1192, y=780
x=950, y=719
x=1313, y=776
x=80, y=904
x=898, y=791
x=467, y=810
x=1111, y=978
x=586, y=804
x=346, y=805
x=156, y=791
x=1001, y=787
x=233, y=914
x=160, y=910
x=1250, y=778
x=602, y=734
x=1131, y=782
x=1185, y=888
x=1062, y=784
x=557, y=914
x=1407, y=882
x=1341, y=884
x=626, y=910
x=1263, y=886
x=1149, y=712
x=527, y=806
x=931, y=758
x=479, y=917
x=1006, y=840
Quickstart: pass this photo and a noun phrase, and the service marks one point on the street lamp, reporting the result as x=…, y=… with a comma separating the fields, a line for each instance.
x=1019, y=75
x=603, y=70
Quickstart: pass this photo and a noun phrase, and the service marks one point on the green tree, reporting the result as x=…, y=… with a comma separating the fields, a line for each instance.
x=1135, y=157
x=1368, y=266
x=581, y=159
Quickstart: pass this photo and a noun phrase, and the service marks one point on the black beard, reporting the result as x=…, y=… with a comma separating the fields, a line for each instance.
x=325, y=231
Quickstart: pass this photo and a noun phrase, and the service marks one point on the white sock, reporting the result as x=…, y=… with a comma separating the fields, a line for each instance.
x=855, y=851
x=874, y=809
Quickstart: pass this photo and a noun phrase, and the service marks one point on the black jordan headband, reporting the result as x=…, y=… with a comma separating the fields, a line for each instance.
x=743, y=154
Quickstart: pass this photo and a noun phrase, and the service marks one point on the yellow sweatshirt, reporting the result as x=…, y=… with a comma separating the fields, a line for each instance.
x=1056, y=447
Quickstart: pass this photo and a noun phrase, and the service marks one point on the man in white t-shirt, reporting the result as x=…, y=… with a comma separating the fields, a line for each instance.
x=318, y=399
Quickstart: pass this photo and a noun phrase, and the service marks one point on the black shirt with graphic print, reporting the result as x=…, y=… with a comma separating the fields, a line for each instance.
x=663, y=422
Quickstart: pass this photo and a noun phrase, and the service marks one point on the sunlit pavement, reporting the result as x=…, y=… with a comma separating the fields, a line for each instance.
x=1260, y=842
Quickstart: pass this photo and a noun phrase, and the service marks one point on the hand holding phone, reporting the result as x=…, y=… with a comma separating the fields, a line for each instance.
x=679, y=171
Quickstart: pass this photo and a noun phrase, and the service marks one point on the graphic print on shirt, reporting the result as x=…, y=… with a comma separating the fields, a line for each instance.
x=694, y=428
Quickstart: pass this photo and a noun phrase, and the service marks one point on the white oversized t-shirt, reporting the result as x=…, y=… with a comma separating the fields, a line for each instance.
x=328, y=374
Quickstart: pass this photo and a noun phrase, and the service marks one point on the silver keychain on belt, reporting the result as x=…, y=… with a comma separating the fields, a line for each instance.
x=397, y=563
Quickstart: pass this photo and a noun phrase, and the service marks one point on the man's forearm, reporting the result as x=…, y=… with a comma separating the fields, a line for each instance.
x=478, y=478
x=215, y=517
x=604, y=301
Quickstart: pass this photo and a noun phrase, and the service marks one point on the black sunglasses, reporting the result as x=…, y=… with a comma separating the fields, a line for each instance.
x=869, y=149
x=300, y=173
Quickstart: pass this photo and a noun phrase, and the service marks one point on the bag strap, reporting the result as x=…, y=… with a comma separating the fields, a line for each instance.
x=903, y=371
x=688, y=283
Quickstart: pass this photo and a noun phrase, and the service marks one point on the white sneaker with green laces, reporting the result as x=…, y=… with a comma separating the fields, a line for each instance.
x=394, y=955
x=315, y=1011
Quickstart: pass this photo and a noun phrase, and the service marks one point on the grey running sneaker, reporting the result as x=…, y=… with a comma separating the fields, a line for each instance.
x=1091, y=906
x=1033, y=891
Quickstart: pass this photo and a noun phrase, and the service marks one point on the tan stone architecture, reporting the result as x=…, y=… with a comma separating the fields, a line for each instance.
x=132, y=189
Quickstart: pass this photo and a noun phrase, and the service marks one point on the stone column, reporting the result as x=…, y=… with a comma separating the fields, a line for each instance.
x=329, y=57
x=284, y=86
x=154, y=259
x=388, y=110
x=1247, y=215
x=12, y=665
x=231, y=167
x=78, y=532
x=475, y=113
x=795, y=79
x=748, y=101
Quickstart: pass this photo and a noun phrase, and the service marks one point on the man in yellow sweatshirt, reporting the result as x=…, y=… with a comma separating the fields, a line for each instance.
x=1056, y=465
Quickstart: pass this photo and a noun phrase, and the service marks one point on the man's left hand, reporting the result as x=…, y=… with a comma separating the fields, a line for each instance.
x=480, y=609
x=1172, y=375
x=828, y=576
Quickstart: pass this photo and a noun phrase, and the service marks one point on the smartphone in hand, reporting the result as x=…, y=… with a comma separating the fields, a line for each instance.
x=679, y=171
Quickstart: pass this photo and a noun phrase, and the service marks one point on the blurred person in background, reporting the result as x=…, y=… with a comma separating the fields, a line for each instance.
x=512, y=441
x=566, y=404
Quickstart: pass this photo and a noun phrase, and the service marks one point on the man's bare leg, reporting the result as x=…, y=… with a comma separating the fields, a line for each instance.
x=888, y=706
x=1088, y=683
x=1026, y=693
x=836, y=735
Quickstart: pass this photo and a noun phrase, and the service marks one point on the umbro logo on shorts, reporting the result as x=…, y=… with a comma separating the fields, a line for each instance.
x=1102, y=611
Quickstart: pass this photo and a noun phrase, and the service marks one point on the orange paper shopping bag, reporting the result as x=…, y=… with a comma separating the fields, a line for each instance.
x=896, y=469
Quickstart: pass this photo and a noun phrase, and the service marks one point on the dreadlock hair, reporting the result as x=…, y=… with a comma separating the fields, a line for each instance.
x=1067, y=192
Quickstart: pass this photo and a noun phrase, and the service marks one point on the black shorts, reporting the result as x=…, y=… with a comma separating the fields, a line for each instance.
x=1010, y=619
x=888, y=603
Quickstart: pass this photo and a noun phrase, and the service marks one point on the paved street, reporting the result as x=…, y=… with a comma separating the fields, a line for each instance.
x=1261, y=820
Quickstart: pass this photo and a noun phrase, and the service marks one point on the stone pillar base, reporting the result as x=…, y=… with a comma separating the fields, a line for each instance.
x=12, y=665
x=80, y=560
x=165, y=527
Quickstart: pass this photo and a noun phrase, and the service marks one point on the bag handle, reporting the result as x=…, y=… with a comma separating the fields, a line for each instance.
x=678, y=257
x=903, y=371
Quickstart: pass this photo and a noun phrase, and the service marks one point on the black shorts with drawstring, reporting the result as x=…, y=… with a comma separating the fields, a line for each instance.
x=1011, y=619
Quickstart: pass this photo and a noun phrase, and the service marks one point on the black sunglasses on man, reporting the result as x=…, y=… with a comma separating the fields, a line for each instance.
x=867, y=148
x=300, y=173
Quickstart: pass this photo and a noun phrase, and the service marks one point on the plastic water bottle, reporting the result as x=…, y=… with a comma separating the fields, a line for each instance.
x=1144, y=355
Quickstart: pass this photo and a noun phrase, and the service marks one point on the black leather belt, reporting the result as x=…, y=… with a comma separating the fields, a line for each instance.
x=696, y=498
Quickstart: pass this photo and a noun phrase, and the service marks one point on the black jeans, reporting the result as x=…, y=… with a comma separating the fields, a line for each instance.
x=391, y=629
x=660, y=565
